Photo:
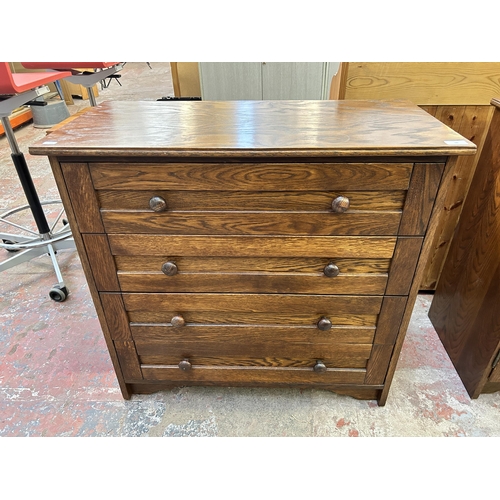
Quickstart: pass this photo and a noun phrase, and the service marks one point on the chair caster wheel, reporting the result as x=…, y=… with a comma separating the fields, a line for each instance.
x=8, y=242
x=58, y=293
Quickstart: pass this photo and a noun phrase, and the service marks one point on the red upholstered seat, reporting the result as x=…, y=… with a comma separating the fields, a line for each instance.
x=67, y=65
x=15, y=83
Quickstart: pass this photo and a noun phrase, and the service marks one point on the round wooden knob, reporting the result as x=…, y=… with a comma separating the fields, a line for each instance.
x=331, y=270
x=324, y=324
x=178, y=321
x=319, y=367
x=185, y=365
x=340, y=204
x=169, y=268
x=157, y=204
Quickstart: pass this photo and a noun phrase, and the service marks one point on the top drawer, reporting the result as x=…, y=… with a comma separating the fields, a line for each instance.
x=251, y=176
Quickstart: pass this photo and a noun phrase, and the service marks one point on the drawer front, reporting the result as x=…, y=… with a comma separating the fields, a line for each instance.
x=252, y=199
x=252, y=275
x=231, y=176
x=197, y=312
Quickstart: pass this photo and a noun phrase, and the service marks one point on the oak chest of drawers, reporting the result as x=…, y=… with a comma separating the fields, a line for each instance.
x=261, y=243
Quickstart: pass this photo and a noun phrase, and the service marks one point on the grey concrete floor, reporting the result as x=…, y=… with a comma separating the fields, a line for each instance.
x=56, y=378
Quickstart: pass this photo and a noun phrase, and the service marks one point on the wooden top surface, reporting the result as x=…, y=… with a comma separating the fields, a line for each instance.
x=254, y=128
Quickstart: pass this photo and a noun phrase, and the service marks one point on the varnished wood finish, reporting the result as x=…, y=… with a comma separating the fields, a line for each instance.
x=256, y=246
x=83, y=199
x=420, y=199
x=270, y=282
x=403, y=265
x=251, y=200
x=464, y=311
x=239, y=334
x=253, y=283
x=253, y=223
x=276, y=265
x=239, y=176
x=221, y=129
x=101, y=262
x=259, y=375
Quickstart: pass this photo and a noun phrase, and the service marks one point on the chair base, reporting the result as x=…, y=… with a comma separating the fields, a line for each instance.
x=26, y=244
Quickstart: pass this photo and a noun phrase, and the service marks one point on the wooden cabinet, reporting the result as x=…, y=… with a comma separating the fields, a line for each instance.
x=261, y=243
x=225, y=81
x=464, y=311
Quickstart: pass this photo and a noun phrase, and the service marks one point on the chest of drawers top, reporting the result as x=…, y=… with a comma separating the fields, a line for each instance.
x=254, y=129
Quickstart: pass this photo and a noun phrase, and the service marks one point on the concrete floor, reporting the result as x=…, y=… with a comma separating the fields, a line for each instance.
x=56, y=378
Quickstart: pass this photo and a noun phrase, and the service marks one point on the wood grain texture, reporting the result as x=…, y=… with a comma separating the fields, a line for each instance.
x=423, y=82
x=253, y=303
x=253, y=283
x=403, y=265
x=378, y=363
x=243, y=333
x=474, y=125
x=420, y=198
x=253, y=223
x=389, y=320
x=264, y=319
x=464, y=309
x=251, y=200
x=426, y=247
x=258, y=353
x=253, y=246
x=129, y=361
x=83, y=199
x=66, y=199
x=224, y=128
x=239, y=176
x=274, y=265
x=101, y=262
x=255, y=375
x=116, y=317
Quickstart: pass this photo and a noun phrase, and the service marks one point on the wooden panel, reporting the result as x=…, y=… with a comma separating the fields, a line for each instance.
x=252, y=303
x=116, y=317
x=251, y=176
x=338, y=360
x=378, y=363
x=275, y=265
x=101, y=262
x=464, y=309
x=241, y=333
x=474, y=125
x=389, y=320
x=129, y=362
x=83, y=198
x=253, y=283
x=267, y=319
x=254, y=246
x=186, y=79
x=403, y=265
x=184, y=129
x=419, y=203
x=253, y=223
x=254, y=375
x=248, y=200
x=259, y=353
x=423, y=82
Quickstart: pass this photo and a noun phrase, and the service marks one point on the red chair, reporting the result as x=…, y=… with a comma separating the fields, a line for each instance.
x=85, y=78
x=17, y=89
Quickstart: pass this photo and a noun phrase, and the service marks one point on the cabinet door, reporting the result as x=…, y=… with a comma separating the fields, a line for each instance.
x=230, y=81
x=293, y=80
